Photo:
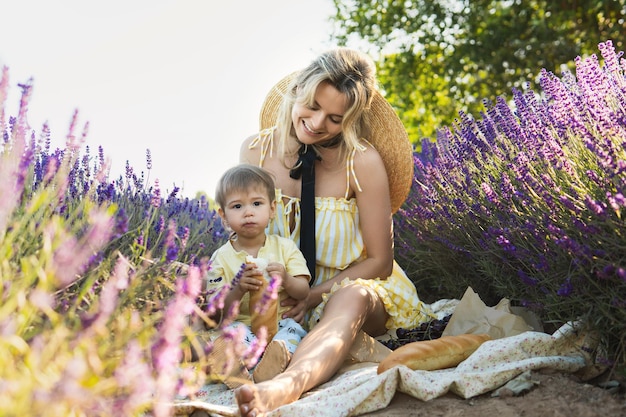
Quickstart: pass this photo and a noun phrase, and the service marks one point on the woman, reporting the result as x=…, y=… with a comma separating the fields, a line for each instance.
x=362, y=172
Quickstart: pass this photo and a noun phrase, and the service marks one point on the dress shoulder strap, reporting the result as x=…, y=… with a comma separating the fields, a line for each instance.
x=265, y=139
x=350, y=171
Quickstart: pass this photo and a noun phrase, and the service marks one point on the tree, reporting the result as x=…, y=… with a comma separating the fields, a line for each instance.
x=442, y=56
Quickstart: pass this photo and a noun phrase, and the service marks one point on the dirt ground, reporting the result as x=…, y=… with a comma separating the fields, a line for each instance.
x=553, y=395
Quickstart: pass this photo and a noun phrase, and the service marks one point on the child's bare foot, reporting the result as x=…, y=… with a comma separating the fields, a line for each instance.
x=255, y=399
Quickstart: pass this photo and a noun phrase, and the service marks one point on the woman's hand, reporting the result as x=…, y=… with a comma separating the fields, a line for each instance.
x=298, y=308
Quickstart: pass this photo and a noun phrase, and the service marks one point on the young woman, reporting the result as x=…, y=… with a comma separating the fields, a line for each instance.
x=363, y=172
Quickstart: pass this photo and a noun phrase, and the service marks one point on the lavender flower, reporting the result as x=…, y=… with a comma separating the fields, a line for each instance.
x=72, y=254
x=254, y=351
x=171, y=247
x=121, y=222
x=184, y=238
x=156, y=196
x=270, y=294
x=4, y=91
x=566, y=288
x=166, y=351
x=129, y=171
x=216, y=301
x=231, y=314
x=526, y=279
x=161, y=224
x=109, y=296
x=135, y=376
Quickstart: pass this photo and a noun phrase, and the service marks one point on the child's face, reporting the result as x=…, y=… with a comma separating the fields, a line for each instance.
x=247, y=212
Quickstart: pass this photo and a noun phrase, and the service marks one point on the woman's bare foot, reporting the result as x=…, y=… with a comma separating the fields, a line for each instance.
x=256, y=399
x=245, y=396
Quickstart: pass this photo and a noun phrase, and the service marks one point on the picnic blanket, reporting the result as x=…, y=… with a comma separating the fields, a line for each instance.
x=358, y=389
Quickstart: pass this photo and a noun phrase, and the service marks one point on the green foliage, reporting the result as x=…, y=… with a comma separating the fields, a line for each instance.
x=398, y=75
x=468, y=50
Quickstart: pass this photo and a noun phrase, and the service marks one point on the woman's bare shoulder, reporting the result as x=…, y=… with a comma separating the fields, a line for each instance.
x=368, y=158
x=370, y=175
x=371, y=189
x=247, y=153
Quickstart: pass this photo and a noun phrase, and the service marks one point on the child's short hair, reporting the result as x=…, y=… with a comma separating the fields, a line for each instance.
x=242, y=177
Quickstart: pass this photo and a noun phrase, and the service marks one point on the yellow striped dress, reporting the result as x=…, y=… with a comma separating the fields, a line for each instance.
x=339, y=243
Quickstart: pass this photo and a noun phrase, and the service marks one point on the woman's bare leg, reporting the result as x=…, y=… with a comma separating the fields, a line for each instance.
x=321, y=353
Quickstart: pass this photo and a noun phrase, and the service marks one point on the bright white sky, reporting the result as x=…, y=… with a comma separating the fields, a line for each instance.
x=184, y=78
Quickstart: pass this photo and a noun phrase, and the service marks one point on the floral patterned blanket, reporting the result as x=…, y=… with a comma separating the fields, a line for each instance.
x=358, y=389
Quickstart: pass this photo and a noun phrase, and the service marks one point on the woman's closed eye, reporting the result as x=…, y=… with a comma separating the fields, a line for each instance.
x=336, y=119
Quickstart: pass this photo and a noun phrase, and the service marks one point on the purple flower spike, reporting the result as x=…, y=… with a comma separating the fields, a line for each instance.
x=566, y=288
x=156, y=196
x=166, y=351
x=526, y=279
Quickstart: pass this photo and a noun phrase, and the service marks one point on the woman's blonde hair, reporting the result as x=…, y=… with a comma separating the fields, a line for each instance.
x=352, y=73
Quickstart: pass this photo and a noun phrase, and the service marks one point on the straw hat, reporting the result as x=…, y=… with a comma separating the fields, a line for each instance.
x=387, y=135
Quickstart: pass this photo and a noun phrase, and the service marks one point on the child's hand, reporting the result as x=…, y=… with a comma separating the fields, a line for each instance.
x=275, y=268
x=251, y=279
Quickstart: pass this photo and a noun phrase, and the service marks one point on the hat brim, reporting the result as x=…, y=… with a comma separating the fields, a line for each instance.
x=387, y=135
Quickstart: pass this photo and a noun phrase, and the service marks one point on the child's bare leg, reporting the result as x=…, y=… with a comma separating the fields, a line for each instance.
x=321, y=353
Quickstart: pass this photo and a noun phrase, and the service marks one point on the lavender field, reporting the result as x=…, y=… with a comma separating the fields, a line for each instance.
x=101, y=277
x=526, y=202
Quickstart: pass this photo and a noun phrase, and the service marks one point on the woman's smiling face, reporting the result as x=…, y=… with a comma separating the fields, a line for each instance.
x=321, y=120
